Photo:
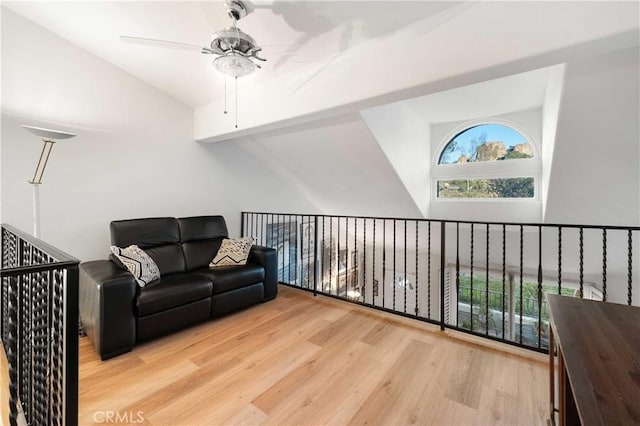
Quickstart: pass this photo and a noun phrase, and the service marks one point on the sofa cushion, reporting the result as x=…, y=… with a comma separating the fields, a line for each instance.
x=139, y=263
x=145, y=232
x=169, y=258
x=227, y=278
x=225, y=303
x=173, y=291
x=233, y=252
x=198, y=254
x=202, y=228
x=201, y=238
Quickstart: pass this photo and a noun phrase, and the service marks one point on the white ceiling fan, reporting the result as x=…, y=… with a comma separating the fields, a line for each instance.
x=237, y=51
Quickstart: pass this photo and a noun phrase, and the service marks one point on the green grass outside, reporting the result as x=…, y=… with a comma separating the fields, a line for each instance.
x=529, y=294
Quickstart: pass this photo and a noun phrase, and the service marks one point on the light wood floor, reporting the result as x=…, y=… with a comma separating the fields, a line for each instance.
x=304, y=360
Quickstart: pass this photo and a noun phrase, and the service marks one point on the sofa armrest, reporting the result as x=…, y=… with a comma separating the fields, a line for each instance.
x=107, y=299
x=268, y=258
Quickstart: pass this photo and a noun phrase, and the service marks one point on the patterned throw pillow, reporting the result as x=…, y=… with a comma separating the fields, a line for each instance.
x=143, y=268
x=232, y=252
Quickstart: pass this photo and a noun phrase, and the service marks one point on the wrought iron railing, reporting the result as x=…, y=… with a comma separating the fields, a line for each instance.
x=39, y=329
x=428, y=269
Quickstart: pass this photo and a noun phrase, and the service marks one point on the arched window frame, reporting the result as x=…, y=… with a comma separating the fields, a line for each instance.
x=515, y=168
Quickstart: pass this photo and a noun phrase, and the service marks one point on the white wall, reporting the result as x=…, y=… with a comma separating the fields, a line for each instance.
x=403, y=136
x=596, y=173
x=550, y=110
x=335, y=165
x=134, y=155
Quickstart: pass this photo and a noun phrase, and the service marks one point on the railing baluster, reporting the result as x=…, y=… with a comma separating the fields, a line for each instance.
x=374, y=287
x=521, y=270
x=384, y=261
x=322, y=256
x=417, y=273
x=629, y=266
x=504, y=273
x=346, y=257
x=308, y=264
x=429, y=269
x=539, y=285
x=339, y=259
x=486, y=318
x=12, y=349
x=443, y=255
x=331, y=253
x=315, y=255
x=364, y=262
x=281, y=230
x=290, y=222
x=263, y=231
x=457, y=272
x=355, y=259
x=471, y=282
x=604, y=265
x=272, y=229
x=394, y=265
x=581, y=263
x=559, y=260
x=254, y=223
x=405, y=267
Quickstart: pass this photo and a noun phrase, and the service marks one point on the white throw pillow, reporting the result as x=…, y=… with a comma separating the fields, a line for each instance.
x=232, y=252
x=143, y=268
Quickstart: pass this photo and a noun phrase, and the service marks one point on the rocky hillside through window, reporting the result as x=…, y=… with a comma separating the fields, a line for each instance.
x=486, y=143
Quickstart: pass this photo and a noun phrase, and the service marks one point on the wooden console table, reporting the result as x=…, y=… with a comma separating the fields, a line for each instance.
x=598, y=362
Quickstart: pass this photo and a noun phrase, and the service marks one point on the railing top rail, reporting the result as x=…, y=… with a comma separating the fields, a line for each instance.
x=475, y=222
x=60, y=256
x=21, y=270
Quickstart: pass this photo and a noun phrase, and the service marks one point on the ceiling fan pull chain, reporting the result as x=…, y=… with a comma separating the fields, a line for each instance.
x=236, y=102
x=225, y=93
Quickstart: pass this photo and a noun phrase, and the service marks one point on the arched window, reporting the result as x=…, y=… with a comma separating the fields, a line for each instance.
x=487, y=161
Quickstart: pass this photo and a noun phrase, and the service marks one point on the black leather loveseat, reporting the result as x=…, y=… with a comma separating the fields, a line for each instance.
x=117, y=313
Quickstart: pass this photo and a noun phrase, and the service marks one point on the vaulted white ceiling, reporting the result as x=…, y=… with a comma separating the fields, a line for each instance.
x=294, y=35
x=332, y=57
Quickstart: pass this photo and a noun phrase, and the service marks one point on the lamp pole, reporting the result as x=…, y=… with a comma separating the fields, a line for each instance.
x=48, y=138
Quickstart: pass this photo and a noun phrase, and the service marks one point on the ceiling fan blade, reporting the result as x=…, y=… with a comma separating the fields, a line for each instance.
x=215, y=13
x=164, y=43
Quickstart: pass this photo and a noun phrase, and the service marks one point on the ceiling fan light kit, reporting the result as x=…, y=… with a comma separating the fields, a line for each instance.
x=236, y=49
x=234, y=65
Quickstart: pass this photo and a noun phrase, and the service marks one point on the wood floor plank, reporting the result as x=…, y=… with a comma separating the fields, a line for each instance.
x=336, y=341
x=243, y=384
x=468, y=377
x=295, y=324
x=403, y=379
x=117, y=392
x=323, y=394
x=311, y=360
x=249, y=415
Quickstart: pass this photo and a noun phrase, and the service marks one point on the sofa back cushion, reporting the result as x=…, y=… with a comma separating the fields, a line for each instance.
x=158, y=237
x=201, y=238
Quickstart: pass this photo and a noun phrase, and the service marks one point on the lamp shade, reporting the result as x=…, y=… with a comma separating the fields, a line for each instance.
x=48, y=133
